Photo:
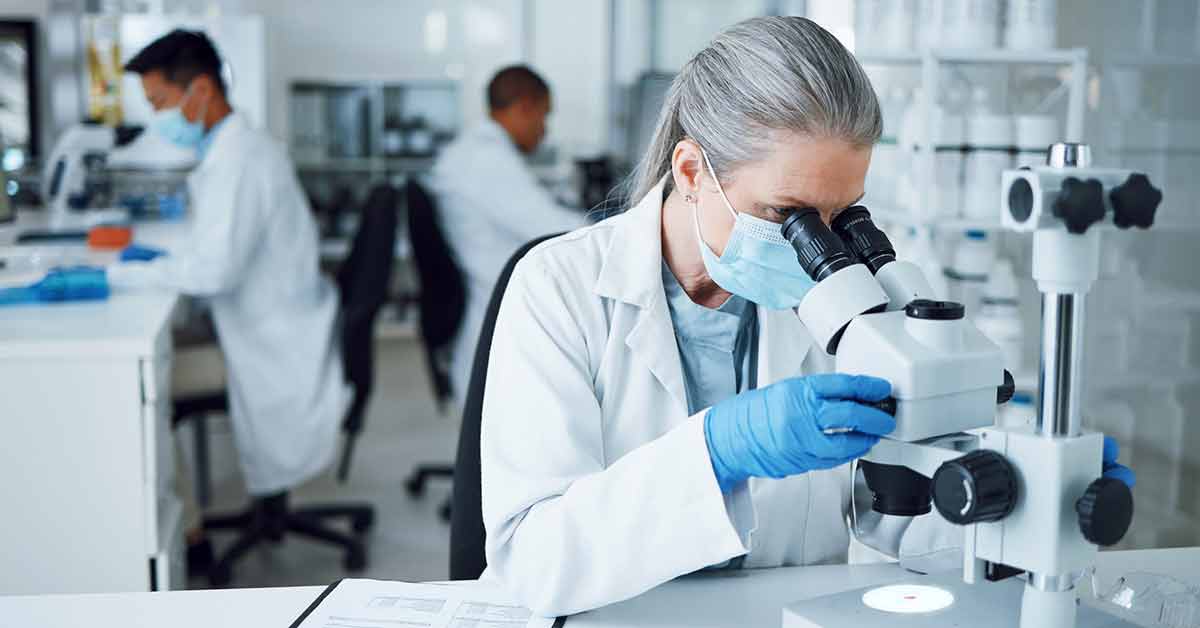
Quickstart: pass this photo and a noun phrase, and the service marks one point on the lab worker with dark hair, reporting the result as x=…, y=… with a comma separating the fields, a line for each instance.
x=489, y=201
x=252, y=254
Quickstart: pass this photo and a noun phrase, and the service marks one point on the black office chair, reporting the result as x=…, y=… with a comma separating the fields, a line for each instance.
x=363, y=279
x=467, y=559
x=442, y=306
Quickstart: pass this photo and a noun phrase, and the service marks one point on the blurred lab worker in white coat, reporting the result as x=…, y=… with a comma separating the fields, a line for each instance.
x=252, y=254
x=653, y=406
x=489, y=201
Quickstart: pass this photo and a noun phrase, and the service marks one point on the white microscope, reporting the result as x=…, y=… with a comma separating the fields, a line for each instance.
x=1031, y=499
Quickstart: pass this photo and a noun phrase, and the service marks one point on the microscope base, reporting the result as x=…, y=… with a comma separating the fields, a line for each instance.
x=983, y=605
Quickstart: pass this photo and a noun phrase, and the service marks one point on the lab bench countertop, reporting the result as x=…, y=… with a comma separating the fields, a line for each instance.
x=749, y=598
x=127, y=323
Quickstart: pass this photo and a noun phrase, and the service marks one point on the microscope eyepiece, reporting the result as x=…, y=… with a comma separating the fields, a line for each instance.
x=866, y=241
x=820, y=251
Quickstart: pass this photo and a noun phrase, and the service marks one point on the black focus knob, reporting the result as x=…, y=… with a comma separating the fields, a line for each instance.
x=1105, y=511
x=1134, y=202
x=1080, y=204
x=980, y=486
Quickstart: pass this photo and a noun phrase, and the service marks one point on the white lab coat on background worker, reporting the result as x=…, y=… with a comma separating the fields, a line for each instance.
x=489, y=205
x=597, y=485
x=253, y=254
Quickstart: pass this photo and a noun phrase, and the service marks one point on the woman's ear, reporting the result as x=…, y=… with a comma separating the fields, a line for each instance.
x=687, y=167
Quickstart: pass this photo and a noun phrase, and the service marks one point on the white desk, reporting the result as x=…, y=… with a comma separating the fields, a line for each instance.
x=750, y=599
x=85, y=449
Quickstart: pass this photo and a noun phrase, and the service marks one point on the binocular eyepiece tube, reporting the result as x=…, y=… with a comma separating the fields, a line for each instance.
x=824, y=249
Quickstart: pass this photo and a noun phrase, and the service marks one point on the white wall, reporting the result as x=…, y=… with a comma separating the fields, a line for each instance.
x=570, y=49
x=386, y=40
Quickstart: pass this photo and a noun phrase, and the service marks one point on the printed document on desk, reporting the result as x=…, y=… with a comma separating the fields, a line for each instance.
x=353, y=603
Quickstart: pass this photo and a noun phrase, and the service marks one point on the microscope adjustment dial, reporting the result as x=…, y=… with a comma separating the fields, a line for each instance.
x=1080, y=204
x=980, y=486
x=1105, y=511
x=1134, y=202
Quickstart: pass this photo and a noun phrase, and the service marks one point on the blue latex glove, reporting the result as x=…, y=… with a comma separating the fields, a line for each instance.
x=79, y=283
x=139, y=253
x=781, y=430
x=1111, y=468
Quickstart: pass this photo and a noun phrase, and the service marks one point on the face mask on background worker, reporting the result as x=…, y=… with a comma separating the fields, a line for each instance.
x=176, y=128
x=758, y=264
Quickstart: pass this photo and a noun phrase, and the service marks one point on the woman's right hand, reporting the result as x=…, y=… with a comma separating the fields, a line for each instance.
x=794, y=426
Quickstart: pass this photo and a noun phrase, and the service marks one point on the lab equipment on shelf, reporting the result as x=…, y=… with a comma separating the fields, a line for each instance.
x=989, y=153
x=1034, y=135
x=1030, y=24
x=945, y=197
x=999, y=317
x=968, y=273
x=884, y=25
x=959, y=23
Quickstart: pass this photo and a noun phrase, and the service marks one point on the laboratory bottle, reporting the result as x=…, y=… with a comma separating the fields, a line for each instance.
x=884, y=25
x=886, y=159
x=968, y=273
x=1031, y=24
x=989, y=154
x=918, y=248
x=970, y=23
x=1000, y=315
x=1034, y=135
x=944, y=197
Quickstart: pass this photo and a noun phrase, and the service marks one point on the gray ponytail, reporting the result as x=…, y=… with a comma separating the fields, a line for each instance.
x=762, y=75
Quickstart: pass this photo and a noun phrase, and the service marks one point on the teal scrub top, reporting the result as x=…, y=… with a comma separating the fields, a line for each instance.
x=718, y=348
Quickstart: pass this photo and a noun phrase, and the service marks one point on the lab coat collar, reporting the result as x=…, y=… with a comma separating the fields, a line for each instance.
x=223, y=136
x=632, y=274
x=632, y=267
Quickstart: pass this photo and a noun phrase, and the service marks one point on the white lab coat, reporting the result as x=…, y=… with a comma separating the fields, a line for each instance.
x=490, y=204
x=253, y=253
x=597, y=485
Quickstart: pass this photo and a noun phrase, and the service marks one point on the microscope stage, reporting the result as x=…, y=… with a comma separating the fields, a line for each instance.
x=983, y=605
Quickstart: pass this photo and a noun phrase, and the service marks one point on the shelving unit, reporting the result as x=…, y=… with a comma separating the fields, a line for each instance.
x=931, y=61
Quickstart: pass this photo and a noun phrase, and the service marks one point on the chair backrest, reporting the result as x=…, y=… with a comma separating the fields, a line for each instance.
x=443, y=291
x=467, y=559
x=363, y=279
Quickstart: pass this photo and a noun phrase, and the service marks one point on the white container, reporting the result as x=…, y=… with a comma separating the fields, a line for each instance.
x=989, y=154
x=1031, y=24
x=1035, y=133
x=1000, y=316
x=886, y=160
x=884, y=25
x=919, y=250
x=960, y=23
x=945, y=199
x=968, y=273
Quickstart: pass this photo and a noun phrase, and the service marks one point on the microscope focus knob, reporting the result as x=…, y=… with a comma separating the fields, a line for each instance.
x=1105, y=511
x=1134, y=202
x=980, y=486
x=1080, y=204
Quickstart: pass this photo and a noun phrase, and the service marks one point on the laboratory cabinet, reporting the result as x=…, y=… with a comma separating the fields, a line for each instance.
x=86, y=453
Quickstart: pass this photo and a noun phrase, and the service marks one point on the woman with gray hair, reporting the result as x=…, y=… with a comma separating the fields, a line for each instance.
x=653, y=407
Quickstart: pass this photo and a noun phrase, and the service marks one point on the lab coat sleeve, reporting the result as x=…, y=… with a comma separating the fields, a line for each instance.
x=224, y=235
x=569, y=530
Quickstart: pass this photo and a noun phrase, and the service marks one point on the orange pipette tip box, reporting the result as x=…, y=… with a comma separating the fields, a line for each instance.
x=110, y=237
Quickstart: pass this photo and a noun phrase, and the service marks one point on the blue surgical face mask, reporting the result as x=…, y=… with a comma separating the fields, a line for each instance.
x=758, y=263
x=175, y=127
